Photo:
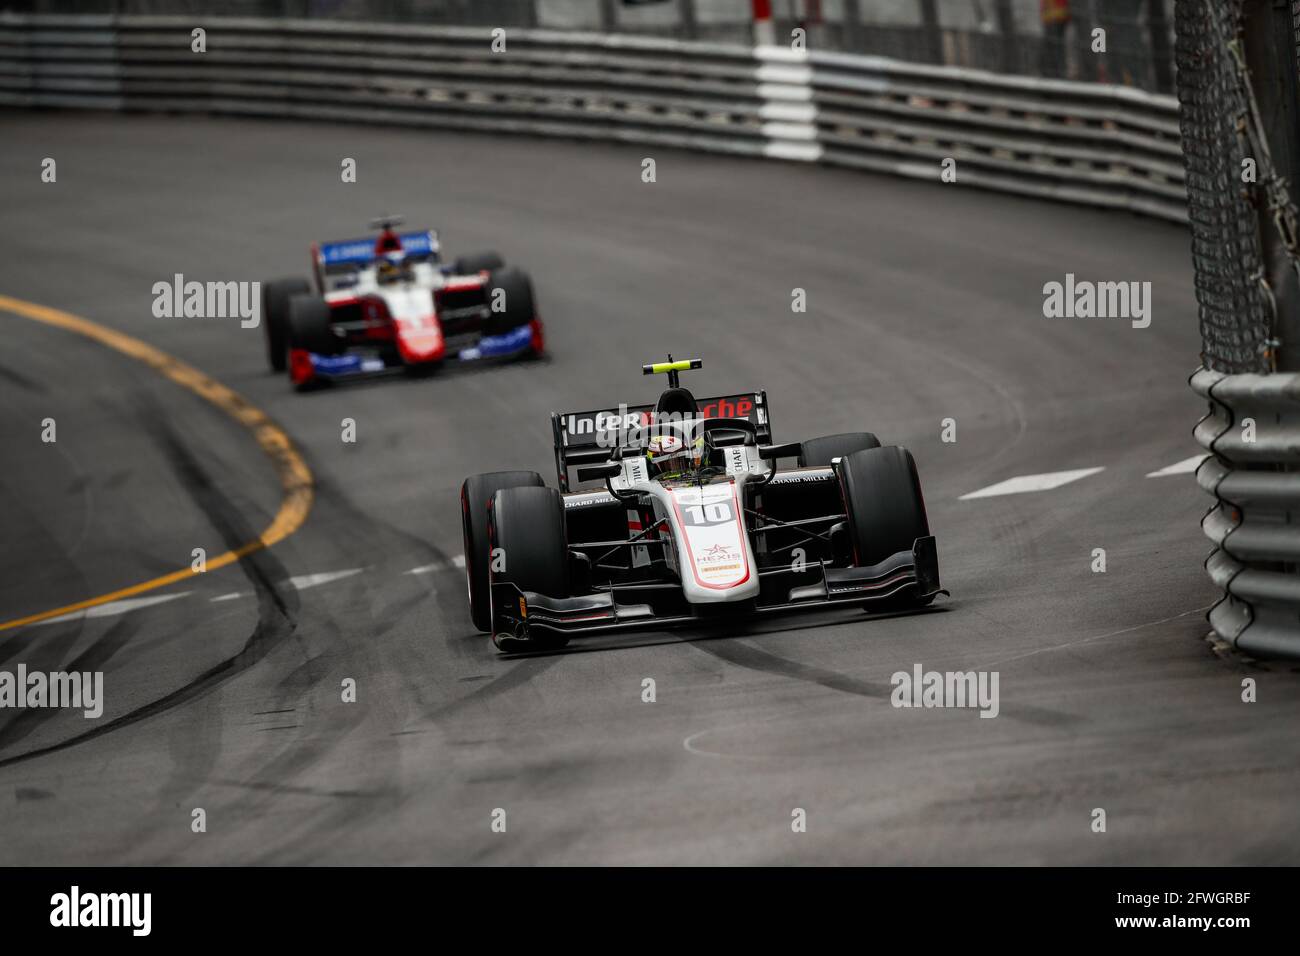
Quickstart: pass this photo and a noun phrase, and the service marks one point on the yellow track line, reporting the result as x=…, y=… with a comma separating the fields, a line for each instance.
x=294, y=474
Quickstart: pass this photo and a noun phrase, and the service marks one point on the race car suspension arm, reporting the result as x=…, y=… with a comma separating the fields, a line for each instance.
x=633, y=541
x=799, y=525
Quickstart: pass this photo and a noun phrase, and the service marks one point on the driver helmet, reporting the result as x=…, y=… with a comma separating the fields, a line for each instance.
x=389, y=268
x=669, y=454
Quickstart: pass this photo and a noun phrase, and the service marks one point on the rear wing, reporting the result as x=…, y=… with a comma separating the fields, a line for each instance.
x=588, y=438
x=343, y=258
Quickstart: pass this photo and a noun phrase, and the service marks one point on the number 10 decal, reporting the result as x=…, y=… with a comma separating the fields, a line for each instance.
x=719, y=512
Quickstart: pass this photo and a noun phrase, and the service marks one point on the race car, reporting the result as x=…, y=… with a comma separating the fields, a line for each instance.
x=692, y=520
x=378, y=305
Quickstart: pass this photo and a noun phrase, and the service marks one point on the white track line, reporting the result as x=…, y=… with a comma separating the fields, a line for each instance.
x=113, y=608
x=1184, y=467
x=1024, y=483
x=304, y=581
x=457, y=562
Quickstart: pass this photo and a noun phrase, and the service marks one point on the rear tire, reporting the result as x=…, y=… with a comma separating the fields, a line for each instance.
x=310, y=328
x=818, y=452
x=275, y=317
x=477, y=262
x=476, y=495
x=882, y=497
x=517, y=290
x=527, y=524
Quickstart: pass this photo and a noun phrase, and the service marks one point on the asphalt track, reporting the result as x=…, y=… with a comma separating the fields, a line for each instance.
x=924, y=304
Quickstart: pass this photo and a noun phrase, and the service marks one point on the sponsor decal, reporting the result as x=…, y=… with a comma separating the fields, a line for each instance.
x=337, y=364
x=718, y=561
x=362, y=251
x=588, y=499
x=736, y=460
x=609, y=428
x=736, y=407
x=796, y=477
x=712, y=529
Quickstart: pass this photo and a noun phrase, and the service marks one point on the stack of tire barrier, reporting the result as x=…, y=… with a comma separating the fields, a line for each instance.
x=1104, y=146
x=1253, y=434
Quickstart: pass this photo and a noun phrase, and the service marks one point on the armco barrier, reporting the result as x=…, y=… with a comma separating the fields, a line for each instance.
x=1106, y=146
x=1252, y=432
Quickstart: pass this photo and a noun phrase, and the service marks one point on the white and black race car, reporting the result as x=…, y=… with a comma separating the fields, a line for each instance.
x=694, y=520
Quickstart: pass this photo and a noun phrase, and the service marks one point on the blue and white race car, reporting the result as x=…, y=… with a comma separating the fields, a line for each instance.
x=377, y=305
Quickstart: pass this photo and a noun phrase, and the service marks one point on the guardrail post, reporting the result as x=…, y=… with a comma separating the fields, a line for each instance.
x=764, y=29
x=686, y=12
x=1010, y=42
x=930, y=27
x=1089, y=63
x=608, y=16
x=1161, y=55
x=851, y=27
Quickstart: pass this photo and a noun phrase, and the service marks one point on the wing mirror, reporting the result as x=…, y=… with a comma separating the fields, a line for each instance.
x=771, y=453
x=789, y=450
x=607, y=470
x=726, y=439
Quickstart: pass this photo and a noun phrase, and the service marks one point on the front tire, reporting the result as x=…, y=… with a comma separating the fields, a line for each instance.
x=882, y=498
x=819, y=452
x=476, y=495
x=527, y=525
x=275, y=317
x=517, y=292
x=477, y=262
x=310, y=327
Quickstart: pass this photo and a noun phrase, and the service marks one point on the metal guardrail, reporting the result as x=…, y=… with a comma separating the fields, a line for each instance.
x=1100, y=145
x=1253, y=435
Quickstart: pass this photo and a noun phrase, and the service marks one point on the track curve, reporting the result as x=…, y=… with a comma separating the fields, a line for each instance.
x=924, y=303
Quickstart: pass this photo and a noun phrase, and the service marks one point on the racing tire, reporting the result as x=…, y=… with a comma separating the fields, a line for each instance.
x=310, y=328
x=517, y=290
x=276, y=294
x=527, y=524
x=818, y=452
x=476, y=495
x=883, y=502
x=476, y=263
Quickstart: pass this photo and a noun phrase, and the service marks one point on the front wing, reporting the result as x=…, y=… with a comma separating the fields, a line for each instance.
x=521, y=618
x=362, y=361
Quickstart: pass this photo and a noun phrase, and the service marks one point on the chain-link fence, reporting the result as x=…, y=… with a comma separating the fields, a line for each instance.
x=1225, y=228
x=1241, y=159
x=1107, y=41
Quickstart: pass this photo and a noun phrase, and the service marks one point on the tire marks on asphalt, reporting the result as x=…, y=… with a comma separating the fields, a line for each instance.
x=292, y=471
